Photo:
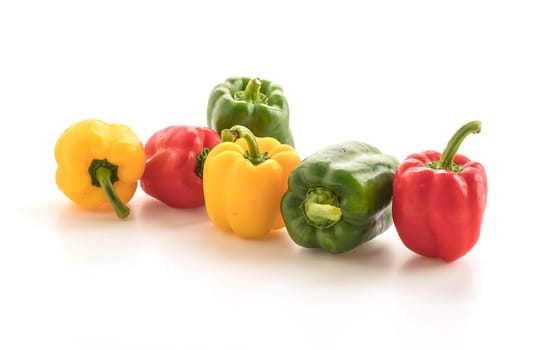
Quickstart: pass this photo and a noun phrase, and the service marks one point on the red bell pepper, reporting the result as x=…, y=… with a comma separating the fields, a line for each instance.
x=439, y=200
x=175, y=157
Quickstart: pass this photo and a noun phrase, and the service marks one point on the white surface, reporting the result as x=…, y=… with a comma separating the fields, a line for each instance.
x=401, y=75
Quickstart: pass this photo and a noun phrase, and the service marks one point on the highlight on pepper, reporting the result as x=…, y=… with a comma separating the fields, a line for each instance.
x=99, y=165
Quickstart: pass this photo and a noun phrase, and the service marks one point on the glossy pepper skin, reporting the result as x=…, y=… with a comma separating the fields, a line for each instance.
x=99, y=165
x=174, y=167
x=339, y=197
x=244, y=182
x=439, y=200
x=259, y=105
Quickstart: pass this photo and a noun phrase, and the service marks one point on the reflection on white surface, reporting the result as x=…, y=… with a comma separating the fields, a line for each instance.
x=90, y=278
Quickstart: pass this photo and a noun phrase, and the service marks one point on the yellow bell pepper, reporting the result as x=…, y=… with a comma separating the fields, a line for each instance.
x=99, y=165
x=243, y=187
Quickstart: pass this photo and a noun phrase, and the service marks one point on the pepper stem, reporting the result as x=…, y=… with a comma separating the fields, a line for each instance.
x=252, y=92
x=240, y=131
x=446, y=161
x=104, y=175
x=200, y=160
x=321, y=208
x=227, y=136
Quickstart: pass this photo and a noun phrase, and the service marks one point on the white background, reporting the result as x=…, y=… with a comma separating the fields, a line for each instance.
x=401, y=75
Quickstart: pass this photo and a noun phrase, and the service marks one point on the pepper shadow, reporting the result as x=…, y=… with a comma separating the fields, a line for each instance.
x=433, y=276
x=373, y=260
x=90, y=240
x=279, y=252
x=274, y=248
x=70, y=218
x=155, y=213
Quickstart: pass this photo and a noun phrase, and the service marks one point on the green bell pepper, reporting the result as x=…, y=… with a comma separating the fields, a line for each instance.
x=259, y=105
x=339, y=197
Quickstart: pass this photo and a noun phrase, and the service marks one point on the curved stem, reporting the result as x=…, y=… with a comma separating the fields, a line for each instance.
x=447, y=156
x=240, y=131
x=103, y=175
x=227, y=136
x=321, y=208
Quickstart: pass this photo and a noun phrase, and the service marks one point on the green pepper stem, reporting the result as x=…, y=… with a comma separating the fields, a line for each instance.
x=321, y=208
x=240, y=131
x=200, y=160
x=447, y=156
x=103, y=175
x=252, y=92
x=322, y=212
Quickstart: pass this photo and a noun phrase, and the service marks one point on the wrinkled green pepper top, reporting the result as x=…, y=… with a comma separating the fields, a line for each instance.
x=259, y=105
x=339, y=197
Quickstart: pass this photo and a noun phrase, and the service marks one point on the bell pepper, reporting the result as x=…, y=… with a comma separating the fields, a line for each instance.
x=245, y=180
x=439, y=200
x=260, y=105
x=339, y=197
x=99, y=165
x=174, y=166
